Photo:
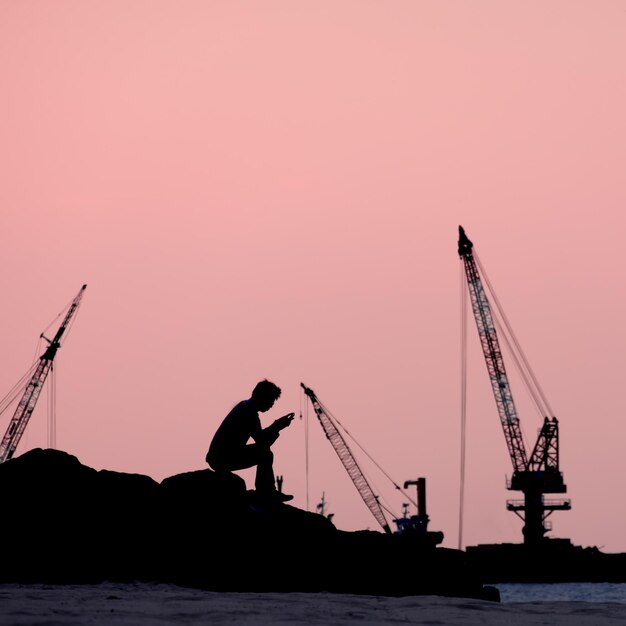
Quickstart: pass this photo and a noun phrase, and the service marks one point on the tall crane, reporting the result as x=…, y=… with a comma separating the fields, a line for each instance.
x=347, y=458
x=538, y=473
x=26, y=405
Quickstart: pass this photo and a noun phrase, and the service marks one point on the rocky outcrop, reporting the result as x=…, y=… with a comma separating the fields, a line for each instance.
x=64, y=522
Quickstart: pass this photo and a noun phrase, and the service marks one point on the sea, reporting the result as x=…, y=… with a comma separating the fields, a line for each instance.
x=562, y=592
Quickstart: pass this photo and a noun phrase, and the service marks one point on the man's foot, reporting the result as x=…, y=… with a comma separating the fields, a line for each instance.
x=274, y=496
x=282, y=497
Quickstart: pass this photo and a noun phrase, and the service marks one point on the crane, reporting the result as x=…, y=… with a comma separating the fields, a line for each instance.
x=26, y=405
x=413, y=526
x=538, y=473
x=347, y=458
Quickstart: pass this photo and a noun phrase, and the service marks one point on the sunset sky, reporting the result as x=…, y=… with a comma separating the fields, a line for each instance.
x=273, y=189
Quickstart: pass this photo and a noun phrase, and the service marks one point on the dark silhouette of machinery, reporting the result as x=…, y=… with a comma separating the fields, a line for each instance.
x=347, y=458
x=419, y=522
x=533, y=475
x=26, y=405
x=415, y=525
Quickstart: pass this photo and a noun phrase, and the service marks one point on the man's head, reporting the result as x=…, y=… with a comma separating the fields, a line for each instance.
x=265, y=394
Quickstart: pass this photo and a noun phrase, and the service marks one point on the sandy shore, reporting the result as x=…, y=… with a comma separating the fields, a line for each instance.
x=145, y=604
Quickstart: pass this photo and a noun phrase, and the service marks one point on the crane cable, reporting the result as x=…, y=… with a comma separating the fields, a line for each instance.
x=18, y=388
x=52, y=389
x=524, y=368
x=306, y=446
x=369, y=456
x=52, y=408
x=463, y=283
x=63, y=311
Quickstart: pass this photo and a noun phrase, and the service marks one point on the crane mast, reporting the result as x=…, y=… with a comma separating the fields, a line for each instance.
x=347, y=458
x=27, y=403
x=539, y=473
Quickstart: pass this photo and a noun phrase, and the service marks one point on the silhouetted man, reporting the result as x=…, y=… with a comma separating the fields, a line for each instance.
x=230, y=450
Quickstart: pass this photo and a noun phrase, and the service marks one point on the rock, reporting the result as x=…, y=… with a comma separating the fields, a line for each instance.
x=64, y=522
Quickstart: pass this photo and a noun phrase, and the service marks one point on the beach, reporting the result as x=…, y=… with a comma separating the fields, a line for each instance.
x=143, y=604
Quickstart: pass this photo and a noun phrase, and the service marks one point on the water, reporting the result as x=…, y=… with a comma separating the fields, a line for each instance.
x=562, y=592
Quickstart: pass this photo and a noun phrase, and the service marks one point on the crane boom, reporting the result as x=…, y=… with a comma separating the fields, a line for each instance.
x=540, y=473
x=493, y=356
x=26, y=405
x=347, y=458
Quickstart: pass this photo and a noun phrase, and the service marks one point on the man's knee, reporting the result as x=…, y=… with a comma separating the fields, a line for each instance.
x=217, y=464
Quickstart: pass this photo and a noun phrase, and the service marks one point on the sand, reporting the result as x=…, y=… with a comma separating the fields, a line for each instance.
x=146, y=604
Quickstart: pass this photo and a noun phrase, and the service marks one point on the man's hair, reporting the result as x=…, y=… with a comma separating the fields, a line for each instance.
x=266, y=390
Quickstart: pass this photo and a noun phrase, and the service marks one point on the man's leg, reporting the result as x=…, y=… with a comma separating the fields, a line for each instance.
x=243, y=458
x=264, y=482
x=249, y=456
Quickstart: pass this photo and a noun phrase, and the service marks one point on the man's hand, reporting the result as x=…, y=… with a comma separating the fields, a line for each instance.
x=270, y=434
x=284, y=421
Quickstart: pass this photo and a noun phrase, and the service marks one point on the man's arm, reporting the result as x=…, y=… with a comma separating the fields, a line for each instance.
x=271, y=433
x=283, y=422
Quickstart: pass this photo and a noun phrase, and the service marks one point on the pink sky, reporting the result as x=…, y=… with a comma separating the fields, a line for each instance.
x=273, y=189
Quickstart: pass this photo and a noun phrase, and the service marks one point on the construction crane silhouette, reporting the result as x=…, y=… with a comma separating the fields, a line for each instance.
x=538, y=473
x=414, y=526
x=347, y=458
x=26, y=405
